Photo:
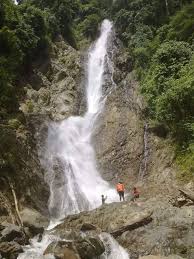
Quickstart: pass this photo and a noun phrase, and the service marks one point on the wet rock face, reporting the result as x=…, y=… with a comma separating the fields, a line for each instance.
x=53, y=88
x=20, y=163
x=119, y=135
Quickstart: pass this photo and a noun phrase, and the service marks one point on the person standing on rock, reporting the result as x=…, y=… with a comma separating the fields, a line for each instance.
x=121, y=191
x=103, y=199
x=135, y=194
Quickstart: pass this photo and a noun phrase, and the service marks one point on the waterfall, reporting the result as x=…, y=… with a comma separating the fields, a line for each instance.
x=143, y=164
x=75, y=184
x=112, y=249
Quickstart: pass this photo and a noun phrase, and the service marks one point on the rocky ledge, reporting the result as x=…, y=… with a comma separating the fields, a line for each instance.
x=154, y=227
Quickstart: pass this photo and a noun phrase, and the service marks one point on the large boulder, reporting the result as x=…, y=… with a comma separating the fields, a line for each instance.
x=34, y=220
x=114, y=218
x=84, y=248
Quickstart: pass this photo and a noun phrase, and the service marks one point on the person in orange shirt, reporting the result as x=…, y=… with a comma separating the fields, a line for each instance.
x=121, y=190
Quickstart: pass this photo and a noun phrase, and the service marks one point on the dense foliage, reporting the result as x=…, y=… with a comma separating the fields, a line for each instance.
x=168, y=79
x=158, y=34
x=27, y=29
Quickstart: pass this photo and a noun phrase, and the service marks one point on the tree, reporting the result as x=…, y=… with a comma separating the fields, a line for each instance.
x=10, y=60
x=89, y=26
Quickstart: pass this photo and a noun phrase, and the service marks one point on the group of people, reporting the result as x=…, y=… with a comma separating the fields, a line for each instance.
x=121, y=192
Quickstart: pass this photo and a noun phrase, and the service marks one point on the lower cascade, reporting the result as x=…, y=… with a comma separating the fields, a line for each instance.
x=112, y=249
x=75, y=183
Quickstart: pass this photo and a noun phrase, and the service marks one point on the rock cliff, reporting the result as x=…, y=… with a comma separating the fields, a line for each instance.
x=54, y=92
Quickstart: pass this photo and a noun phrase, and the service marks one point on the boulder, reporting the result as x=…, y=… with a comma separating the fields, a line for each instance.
x=10, y=233
x=114, y=218
x=35, y=221
x=62, y=250
x=10, y=249
x=90, y=247
x=87, y=227
x=83, y=248
x=138, y=220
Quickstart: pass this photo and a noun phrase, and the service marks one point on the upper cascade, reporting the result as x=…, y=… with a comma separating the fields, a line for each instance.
x=95, y=69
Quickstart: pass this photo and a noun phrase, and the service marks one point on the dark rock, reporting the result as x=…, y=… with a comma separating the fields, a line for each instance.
x=98, y=244
x=90, y=247
x=87, y=227
x=10, y=250
x=11, y=232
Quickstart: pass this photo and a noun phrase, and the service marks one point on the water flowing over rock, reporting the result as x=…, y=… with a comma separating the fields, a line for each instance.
x=112, y=249
x=70, y=159
x=75, y=183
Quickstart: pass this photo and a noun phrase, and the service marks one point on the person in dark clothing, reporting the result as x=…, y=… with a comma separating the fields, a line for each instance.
x=103, y=199
x=135, y=194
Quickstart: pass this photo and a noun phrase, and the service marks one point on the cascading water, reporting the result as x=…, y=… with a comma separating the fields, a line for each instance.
x=36, y=249
x=112, y=249
x=75, y=184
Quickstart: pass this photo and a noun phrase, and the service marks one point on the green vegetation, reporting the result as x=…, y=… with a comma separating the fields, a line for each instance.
x=158, y=34
x=168, y=80
x=27, y=29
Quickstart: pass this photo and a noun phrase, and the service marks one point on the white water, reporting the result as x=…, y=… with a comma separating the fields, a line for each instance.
x=36, y=249
x=75, y=183
x=112, y=248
